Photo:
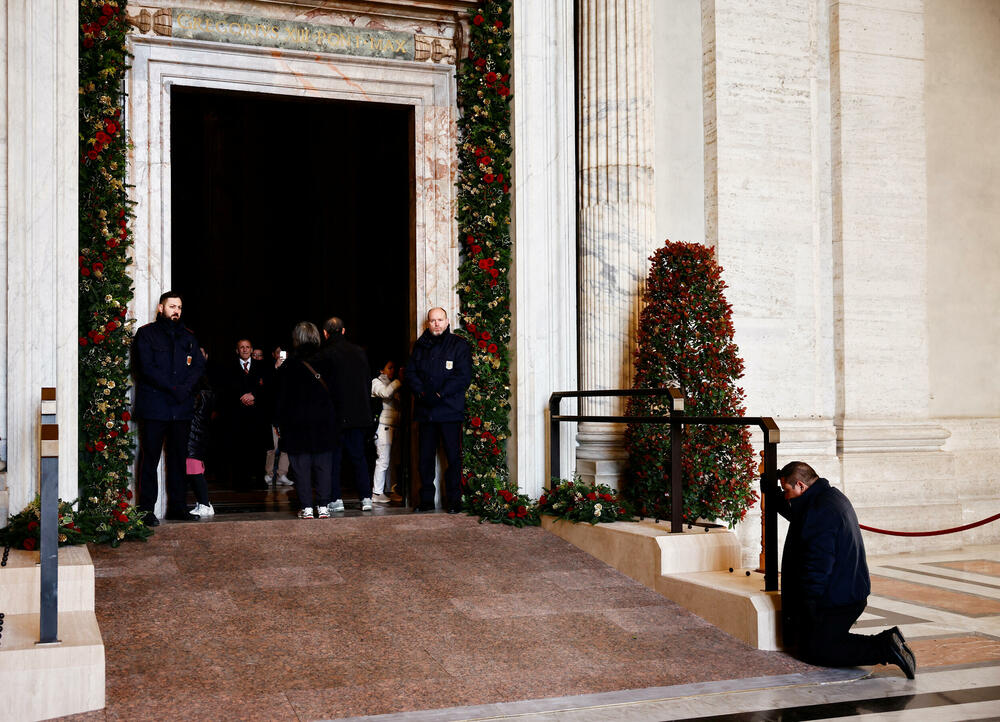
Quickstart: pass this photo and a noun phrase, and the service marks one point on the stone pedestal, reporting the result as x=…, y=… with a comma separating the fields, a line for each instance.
x=615, y=212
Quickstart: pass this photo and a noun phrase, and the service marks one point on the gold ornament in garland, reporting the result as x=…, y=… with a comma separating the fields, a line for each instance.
x=484, y=154
x=105, y=331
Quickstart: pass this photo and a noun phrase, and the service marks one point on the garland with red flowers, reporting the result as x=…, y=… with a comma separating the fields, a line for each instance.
x=106, y=438
x=484, y=153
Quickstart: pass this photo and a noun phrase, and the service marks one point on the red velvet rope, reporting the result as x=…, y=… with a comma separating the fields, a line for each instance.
x=932, y=533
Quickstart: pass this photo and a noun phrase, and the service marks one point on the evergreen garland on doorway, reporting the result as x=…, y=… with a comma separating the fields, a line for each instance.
x=484, y=154
x=105, y=434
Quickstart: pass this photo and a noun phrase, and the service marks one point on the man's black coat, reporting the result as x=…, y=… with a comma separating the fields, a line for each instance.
x=166, y=363
x=350, y=382
x=439, y=372
x=249, y=426
x=823, y=564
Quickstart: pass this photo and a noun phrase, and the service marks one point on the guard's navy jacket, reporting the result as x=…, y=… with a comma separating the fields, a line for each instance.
x=438, y=372
x=823, y=565
x=166, y=364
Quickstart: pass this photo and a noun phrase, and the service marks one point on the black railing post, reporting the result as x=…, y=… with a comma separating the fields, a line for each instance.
x=770, y=507
x=555, y=445
x=48, y=626
x=676, y=485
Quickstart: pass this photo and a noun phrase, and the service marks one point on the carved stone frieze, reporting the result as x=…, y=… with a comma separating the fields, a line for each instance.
x=149, y=20
x=433, y=49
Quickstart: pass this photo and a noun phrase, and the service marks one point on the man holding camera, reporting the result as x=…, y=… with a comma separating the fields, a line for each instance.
x=824, y=578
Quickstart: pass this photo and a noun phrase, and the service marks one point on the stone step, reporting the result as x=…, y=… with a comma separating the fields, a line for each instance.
x=51, y=680
x=20, y=580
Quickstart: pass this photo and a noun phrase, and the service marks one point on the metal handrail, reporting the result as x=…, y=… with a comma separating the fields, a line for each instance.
x=677, y=419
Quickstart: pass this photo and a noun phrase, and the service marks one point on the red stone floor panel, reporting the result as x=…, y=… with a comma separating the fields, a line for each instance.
x=291, y=619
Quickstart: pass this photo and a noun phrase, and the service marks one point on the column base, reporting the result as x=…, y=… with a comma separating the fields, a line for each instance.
x=600, y=454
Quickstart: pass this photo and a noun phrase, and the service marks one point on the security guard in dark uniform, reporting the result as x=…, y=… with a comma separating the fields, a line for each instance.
x=438, y=373
x=166, y=364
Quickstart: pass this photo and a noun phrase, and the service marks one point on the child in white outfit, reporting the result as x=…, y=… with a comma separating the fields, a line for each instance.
x=386, y=387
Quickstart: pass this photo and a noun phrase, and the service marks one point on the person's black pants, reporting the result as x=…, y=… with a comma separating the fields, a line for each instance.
x=352, y=444
x=152, y=435
x=825, y=639
x=449, y=434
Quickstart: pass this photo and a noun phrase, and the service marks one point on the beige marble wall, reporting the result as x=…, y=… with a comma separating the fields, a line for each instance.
x=40, y=236
x=963, y=205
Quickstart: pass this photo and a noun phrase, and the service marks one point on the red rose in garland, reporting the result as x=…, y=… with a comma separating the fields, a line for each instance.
x=685, y=339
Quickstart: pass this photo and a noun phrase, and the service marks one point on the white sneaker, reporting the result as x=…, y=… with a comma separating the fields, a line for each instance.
x=366, y=504
x=268, y=477
x=284, y=481
x=380, y=499
x=203, y=510
x=322, y=512
x=337, y=505
x=306, y=513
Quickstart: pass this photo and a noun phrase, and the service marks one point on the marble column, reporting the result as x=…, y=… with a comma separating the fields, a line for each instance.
x=39, y=243
x=616, y=214
x=544, y=232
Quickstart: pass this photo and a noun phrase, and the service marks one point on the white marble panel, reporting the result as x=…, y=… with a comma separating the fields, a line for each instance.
x=544, y=226
x=41, y=238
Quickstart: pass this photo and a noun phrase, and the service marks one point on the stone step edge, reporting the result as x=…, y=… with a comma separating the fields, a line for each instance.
x=20, y=580
x=47, y=681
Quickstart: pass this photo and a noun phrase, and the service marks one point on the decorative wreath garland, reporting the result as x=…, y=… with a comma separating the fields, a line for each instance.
x=106, y=438
x=484, y=153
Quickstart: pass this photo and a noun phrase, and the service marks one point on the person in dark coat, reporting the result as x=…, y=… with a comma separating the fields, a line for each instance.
x=438, y=373
x=824, y=578
x=166, y=364
x=197, y=447
x=351, y=386
x=307, y=420
x=245, y=405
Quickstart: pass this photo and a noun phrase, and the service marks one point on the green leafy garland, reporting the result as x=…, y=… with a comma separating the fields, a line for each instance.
x=685, y=339
x=484, y=153
x=106, y=438
x=577, y=502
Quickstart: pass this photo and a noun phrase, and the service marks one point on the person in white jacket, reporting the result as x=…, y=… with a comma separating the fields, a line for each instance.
x=385, y=386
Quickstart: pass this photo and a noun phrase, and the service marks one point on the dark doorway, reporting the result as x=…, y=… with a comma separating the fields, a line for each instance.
x=289, y=209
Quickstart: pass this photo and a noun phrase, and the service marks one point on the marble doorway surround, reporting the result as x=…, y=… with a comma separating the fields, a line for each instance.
x=160, y=63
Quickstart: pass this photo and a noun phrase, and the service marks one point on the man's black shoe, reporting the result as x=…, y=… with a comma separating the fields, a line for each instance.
x=149, y=519
x=454, y=509
x=421, y=508
x=900, y=654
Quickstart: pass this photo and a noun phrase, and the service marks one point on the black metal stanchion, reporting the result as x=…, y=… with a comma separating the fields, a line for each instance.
x=769, y=513
x=49, y=527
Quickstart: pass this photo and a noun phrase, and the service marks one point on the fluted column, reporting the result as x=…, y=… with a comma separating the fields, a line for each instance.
x=616, y=211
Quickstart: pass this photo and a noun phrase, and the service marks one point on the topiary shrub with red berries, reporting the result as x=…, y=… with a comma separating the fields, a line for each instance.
x=685, y=339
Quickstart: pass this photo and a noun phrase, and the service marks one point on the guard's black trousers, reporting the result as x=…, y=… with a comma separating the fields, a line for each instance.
x=152, y=434
x=825, y=639
x=449, y=433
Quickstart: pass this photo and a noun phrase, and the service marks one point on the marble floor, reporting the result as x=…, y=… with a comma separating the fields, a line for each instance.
x=436, y=617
